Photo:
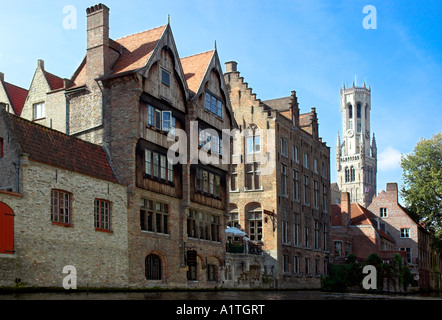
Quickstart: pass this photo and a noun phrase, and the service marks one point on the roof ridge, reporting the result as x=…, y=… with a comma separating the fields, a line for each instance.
x=197, y=54
x=137, y=33
x=62, y=134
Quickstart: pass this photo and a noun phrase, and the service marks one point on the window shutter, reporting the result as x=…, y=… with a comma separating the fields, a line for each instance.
x=6, y=229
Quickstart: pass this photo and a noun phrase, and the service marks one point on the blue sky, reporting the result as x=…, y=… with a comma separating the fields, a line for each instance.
x=310, y=46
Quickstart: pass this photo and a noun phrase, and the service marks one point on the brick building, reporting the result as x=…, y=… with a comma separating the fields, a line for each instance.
x=409, y=237
x=60, y=207
x=356, y=230
x=280, y=184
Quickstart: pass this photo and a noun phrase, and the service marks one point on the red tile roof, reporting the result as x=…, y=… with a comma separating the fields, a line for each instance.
x=195, y=68
x=17, y=97
x=57, y=149
x=54, y=81
x=136, y=51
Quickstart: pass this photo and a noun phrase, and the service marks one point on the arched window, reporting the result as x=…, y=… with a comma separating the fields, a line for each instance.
x=350, y=111
x=233, y=220
x=153, y=267
x=352, y=174
x=358, y=110
x=254, y=216
x=347, y=174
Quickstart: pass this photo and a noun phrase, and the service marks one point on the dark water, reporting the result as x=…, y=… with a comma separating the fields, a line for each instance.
x=220, y=295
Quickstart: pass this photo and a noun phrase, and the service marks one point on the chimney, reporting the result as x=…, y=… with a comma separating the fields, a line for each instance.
x=41, y=64
x=98, y=59
x=392, y=190
x=345, y=208
x=231, y=66
x=2, y=77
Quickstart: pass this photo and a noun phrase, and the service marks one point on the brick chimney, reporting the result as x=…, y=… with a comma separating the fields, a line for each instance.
x=392, y=191
x=98, y=55
x=345, y=209
x=231, y=66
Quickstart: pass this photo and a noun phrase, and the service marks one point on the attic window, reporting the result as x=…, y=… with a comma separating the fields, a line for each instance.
x=165, y=77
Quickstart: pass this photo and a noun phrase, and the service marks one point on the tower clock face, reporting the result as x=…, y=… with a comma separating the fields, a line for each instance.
x=350, y=133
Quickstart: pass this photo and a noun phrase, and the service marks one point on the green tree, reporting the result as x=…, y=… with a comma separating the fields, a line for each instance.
x=422, y=191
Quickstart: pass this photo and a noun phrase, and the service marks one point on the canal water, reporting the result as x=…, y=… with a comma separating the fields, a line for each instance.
x=282, y=295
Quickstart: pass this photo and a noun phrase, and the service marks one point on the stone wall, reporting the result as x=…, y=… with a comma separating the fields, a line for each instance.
x=42, y=248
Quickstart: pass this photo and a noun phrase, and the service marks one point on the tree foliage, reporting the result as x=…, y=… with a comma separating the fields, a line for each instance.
x=422, y=177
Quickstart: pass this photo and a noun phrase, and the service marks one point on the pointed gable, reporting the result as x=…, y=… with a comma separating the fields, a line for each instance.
x=195, y=68
x=17, y=97
x=135, y=52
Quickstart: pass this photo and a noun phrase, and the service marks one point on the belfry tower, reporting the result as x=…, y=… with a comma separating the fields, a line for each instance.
x=356, y=157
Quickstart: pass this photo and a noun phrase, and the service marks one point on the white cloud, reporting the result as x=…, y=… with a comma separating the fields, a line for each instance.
x=389, y=159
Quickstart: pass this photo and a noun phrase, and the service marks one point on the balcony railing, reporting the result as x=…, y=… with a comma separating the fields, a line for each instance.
x=244, y=248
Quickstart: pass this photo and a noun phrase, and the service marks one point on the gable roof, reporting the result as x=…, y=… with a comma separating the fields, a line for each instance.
x=195, y=68
x=57, y=149
x=136, y=49
x=17, y=97
x=359, y=216
x=55, y=82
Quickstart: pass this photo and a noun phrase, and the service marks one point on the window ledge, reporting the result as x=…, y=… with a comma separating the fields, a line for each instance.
x=254, y=190
x=8, y=255
x=153, y=233
x=104, y=230
x=61, y=224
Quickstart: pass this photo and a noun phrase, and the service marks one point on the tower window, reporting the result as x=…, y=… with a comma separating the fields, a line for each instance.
x=358, y=111
x=350, y=111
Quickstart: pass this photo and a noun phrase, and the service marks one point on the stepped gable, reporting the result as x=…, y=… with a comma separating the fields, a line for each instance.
x=57, y=149
x=195, y=67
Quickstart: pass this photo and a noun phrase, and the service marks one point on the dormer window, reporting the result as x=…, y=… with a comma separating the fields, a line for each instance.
x=165, y=77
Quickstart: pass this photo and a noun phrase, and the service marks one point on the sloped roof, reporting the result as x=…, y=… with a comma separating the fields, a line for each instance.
x=17, y=97
x=136, y=49
x=57, y=149
x=195, y=68
x=55, y=82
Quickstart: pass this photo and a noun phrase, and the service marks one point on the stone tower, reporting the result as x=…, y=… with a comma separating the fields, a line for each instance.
x=356, y=157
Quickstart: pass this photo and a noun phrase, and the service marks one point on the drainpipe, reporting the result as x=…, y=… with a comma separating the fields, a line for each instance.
x=17, y=177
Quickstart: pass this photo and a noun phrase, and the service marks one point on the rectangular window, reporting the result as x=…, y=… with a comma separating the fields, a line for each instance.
x=154, y=216
x=150, y=115
x=233, y=177
x=165, y=77
x=296, y=268
x=285, y=226
x=253, y=144
x=306, y=191
x=214, y=105
x=408, y=253
x=405, y=232
x=158, y=119
x=255, y=225
x=324, y=237
x=338, y=249
x=324, y=198
x=1, y=148
x=305, y=160
x=383, y=212
x=307, y=266
x=39, y=110
x=148, y=161
x=284, y=151
x=315, y=193
x=208, y=182
x=61, y=207
x=167, y=120
x=295, y=185
x=316, y=234
x=306, y=236
x=163, y=168
x=295, y=154
x=156, y=164
x=284, y=180
x=169, y=171
x=102, y=214
x=285, y=263
x=296, y=230
x=324, y=170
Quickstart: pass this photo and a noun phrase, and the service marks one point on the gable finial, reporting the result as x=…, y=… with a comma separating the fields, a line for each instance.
x=168, y=19
x=215, y=45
